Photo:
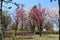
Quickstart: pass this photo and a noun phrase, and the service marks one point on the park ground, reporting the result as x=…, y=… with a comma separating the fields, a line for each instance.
x=35, y=37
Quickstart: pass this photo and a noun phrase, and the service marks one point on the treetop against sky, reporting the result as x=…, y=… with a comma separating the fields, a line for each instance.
x=29, y=3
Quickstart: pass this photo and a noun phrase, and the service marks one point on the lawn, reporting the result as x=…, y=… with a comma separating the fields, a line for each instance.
x=35, y=37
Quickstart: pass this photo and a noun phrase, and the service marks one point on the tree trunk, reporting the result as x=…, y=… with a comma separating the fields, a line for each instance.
x=22, y=25
x=40, y=28
x=16, y=26
x=2, y=26
x=32, y=26
x=40, y=31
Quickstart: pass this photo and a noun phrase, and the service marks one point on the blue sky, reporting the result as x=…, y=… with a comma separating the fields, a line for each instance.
x=28, y=3
x=44, y=3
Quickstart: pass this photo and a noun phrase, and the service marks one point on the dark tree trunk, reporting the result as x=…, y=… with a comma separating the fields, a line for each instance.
x=40, y=31
x=32, y=27
x=40, y=27
x=16, y=26
x=2, y=26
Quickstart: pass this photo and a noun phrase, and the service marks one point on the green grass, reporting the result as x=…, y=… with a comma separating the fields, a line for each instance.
x=35, y=37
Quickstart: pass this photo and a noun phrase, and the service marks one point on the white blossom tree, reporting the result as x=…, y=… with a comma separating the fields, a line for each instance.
x=51, y=15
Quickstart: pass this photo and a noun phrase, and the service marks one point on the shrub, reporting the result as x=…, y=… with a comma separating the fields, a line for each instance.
x=8, y=33
x=51, y=32
x=55, y=32
x=13, y=38
x=23, y=33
